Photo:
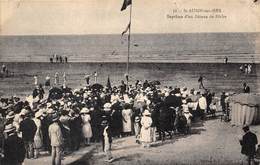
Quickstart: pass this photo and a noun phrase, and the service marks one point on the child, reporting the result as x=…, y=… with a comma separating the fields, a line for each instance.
x=137, y=128
x=107, y=141
x=213, y=109
x=188, y=117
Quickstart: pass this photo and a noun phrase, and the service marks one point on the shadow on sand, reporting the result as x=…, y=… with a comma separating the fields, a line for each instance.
x=196, y=129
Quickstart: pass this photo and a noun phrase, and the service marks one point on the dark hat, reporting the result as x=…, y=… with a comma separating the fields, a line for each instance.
x=245, y=128
x=55, y=117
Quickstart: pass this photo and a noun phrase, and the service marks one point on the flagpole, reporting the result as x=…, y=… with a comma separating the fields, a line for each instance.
x=129, y=42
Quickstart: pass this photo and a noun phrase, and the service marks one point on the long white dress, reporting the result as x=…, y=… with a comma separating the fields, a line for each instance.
x=126, y=119
x=38, y=134
x=86, y=129
x=146, y=131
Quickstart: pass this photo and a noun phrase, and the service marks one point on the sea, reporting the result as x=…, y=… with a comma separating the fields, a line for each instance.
x=156, y=48
x=174, y=59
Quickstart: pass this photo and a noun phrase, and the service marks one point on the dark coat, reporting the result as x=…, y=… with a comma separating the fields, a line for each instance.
x=28, y=129
x=248, y=144
x=173, y=101
x=14, y=150
x=165, y=119
x=246, y=89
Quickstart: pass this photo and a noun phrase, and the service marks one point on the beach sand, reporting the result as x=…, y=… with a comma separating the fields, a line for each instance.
x=210, y=142
x=217, y=77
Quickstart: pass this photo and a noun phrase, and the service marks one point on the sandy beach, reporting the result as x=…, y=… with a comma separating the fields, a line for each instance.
x=217, y=77
x=211, y=142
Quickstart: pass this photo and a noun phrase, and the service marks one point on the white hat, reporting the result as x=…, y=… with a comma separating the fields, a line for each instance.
x=185, y=109
x=84, y=110
x=61, y=102
x=50, y=111
x=9, y=128
x=146, y=113
x=184, y=101
x=85, y=95
x=48, y=105
x=148, y=102
x=38, y=114
x=69, y=103
x=107, y=106
x=10, y=115
x=24, y=112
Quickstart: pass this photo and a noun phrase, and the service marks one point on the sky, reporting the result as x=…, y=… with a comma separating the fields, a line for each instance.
x=58, y=17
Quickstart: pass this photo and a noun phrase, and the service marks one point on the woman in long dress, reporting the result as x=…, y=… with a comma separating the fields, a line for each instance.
x=126, y=119
x=38, y=134
x=86, y=128
x=146, y=131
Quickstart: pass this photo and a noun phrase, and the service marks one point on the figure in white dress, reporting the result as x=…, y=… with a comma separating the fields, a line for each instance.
x=86, y=127
x=56, y=78
x=35, y=80
x=126, y=119
x=146, y=131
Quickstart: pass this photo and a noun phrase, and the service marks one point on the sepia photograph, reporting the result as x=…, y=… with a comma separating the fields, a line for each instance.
x=123, y=82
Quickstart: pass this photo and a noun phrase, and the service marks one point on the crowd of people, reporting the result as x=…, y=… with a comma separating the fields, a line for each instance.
x=246, y=68
x=61, y=120
x=58, y=59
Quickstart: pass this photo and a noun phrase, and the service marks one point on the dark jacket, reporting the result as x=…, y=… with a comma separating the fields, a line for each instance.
x=248, y=144
x=28, y=129
x=14, y=150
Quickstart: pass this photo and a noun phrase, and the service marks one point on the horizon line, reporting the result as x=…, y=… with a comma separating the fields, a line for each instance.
x=86, y=34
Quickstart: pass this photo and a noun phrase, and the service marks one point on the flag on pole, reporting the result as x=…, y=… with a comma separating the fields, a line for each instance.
x=126, y=29
x=125, y=4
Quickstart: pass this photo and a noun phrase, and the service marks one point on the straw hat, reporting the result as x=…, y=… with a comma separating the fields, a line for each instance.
x=38, y=114
x=50, y=111
x=10, y=115
x=48, y=105
x=107, y=107
x=84, y=110
x=146, y=113
x=24, y=112
x=9, y=128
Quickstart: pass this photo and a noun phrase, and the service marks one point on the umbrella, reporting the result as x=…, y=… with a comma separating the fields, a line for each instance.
x=155, y=82
x=97, y=86
x=55, y=93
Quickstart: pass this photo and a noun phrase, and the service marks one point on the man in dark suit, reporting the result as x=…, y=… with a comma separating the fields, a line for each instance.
x=246, y=88
x=14, y=149
x=28, y=129
x=248, y=143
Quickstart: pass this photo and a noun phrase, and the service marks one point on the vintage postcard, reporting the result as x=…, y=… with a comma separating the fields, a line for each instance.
x=129, y=82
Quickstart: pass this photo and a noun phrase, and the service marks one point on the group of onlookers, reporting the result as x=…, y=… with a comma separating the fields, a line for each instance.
x=58, y=59
x=66, y=119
